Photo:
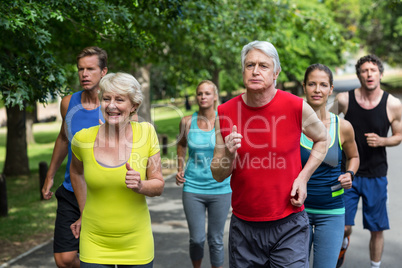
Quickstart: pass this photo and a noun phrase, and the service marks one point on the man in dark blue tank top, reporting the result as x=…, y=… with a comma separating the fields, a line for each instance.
x=371, y=111
x=79, y=110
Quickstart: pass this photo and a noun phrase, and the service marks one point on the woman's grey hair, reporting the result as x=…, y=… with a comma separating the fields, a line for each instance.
x=267, y=48
x=124, y=84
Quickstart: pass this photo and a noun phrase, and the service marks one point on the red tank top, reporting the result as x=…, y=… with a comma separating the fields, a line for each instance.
x=268, y=160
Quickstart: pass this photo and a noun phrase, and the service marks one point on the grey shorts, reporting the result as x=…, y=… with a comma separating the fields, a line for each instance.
x=281, y=243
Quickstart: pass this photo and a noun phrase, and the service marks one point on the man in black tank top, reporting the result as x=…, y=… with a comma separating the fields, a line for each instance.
x=371, y=111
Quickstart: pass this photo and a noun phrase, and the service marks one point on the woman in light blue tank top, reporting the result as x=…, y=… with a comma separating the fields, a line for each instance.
x=202, y=195
x=325, y=204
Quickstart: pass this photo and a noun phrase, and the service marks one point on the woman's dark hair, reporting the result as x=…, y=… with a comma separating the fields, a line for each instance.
x=321, y=67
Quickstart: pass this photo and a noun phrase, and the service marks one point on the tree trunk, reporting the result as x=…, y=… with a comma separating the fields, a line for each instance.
x=16, y=153
x=298, y=89
x=215, y=77
x=31, y=118
x=3, y=196
x=143, y=75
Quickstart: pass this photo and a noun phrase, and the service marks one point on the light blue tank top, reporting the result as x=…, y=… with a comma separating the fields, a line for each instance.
x=78, y=118
x=198, y=173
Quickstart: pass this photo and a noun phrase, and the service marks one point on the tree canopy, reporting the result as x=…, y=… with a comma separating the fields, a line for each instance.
x=381, y=28
x=40, y=38
x=206, y=41
x=184, y=40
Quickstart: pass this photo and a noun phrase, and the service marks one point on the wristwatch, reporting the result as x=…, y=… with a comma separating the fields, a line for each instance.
x=351, y=173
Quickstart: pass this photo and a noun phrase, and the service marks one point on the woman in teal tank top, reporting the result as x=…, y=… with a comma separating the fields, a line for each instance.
x=201, y=193
x=324, y=204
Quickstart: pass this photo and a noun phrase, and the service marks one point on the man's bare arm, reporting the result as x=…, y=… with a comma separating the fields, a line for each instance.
x=60, y=151
x=394, y=111
x=340, y=104
x=395, y=108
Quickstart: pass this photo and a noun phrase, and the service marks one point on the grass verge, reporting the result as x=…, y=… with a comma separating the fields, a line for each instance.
x=30, y=221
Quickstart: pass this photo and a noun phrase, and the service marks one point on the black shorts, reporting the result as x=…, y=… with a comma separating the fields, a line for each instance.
x=68, y=212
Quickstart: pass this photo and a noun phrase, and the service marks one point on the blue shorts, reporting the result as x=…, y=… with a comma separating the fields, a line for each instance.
x=374, y=197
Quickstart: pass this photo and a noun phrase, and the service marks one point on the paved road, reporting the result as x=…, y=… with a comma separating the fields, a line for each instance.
x=346, y=84
x=357, y=255
x=170, y=234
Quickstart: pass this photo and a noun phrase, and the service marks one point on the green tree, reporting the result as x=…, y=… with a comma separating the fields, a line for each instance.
x=209, y=37
x=310, y=35
x=38, y=39
x=380, y=28
x=27, y=73
x=183, y=41
x=347, y=13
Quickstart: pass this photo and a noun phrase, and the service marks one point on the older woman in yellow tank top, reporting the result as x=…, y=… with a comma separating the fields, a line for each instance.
x=114, y=166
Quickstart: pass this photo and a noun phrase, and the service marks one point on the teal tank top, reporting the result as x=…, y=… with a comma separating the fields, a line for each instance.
x=198, y=173
x=324, y=191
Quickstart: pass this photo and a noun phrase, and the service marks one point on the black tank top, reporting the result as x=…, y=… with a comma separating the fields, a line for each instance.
x=373, y=161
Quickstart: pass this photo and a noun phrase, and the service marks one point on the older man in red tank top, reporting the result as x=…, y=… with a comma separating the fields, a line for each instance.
x=258, y=143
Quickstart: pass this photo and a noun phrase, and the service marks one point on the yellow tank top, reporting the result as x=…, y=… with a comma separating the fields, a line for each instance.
x=116, y=224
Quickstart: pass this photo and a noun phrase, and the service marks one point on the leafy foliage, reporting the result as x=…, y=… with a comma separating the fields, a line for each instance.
x=381, y=28
x=346, y=13
x=184, y=41
x=39, y=37
x=27, y=71
x=374, y=25
x=310, y=35
x=208, y=38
